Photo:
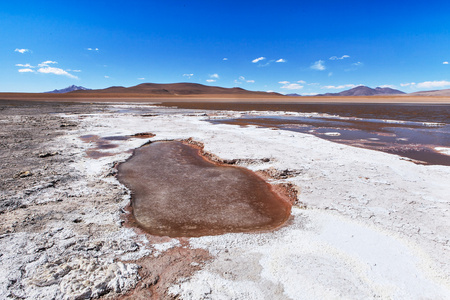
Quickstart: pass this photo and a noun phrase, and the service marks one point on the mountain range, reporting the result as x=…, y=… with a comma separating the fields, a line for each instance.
x=175, y=89
x=68, y=89
x=365, y=91
x=192, y=89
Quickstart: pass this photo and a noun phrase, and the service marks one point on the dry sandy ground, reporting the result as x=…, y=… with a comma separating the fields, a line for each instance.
x=367, y=224
x=146, y=98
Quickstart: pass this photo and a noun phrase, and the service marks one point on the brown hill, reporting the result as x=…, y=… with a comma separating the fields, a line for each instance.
x=440, y=93
x=173, y=89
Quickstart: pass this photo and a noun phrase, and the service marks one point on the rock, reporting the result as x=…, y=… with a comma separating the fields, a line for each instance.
x=23, y=174
x=67, y=125
x=47, y=154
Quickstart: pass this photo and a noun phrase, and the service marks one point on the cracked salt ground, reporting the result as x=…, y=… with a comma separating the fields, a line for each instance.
x=394, y=206
x=322, y=256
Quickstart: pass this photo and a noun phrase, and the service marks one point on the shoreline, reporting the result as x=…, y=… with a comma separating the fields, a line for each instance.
x=143, y=98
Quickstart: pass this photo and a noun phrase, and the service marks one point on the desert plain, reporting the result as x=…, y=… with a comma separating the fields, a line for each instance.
x=365, y=224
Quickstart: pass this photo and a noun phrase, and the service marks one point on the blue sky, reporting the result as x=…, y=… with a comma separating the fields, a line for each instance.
x=303, y=47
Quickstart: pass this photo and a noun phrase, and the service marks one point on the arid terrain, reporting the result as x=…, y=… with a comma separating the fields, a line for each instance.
x=366, y=224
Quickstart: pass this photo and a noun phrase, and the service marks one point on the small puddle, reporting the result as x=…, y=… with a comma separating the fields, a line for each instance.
x=104, y=143
x=177, y=192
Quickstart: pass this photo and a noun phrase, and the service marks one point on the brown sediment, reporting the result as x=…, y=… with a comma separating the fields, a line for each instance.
x=159, y=273
x=103, y=143
x=179, y=191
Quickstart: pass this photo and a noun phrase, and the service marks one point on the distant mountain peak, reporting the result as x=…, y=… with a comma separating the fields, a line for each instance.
x=363, y=90
x=68, y=89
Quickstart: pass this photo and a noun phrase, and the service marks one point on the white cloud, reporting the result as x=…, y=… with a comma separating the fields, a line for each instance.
x=290, y=86
x=338, y=58
x=388, y=86
x=309, y=94
x=26, y=71
x=210, y=80
x=55, y=71
x=318, y=65
x=21, y=50
x=214, y=76
x=106, y=76
x=408, y=84
x=92, y=49
x=46, y=63
x=258, y=59
x=76, y=71
x=357, y=63
x=188, y=75
x=250, y=81
x=433, y=84
x=332, y=87
x=281, y=60
x=225, y=58
x=301, y=81
x=24, y=65
x=142, y=78
x=445, y=63
x=330, y=74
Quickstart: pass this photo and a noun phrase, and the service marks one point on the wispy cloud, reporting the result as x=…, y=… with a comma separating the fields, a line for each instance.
x=214, y=76
x=22, y=50
x=46, y=63
x=318, y=65
x=56, y=71
x=45, y=68
x=354, y=66
x=290, y=86
x=338, y=87
x=224, y=58
x=388, y=86
x=92, y=49
x=188, y=75
x=339, y=57
x=433, y=84
x=445, y=63
x=258, y=59
x=427, y=84
x=106, y=76
x=210, y=80
x=142, y=78
x=281, y=60
x=26, y=71
x=24, y=65
x=243, y=79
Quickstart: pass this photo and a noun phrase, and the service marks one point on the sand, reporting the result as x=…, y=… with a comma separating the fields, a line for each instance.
x=367, y=224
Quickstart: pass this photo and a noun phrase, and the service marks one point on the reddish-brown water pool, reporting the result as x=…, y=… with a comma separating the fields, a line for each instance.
x=176, y=192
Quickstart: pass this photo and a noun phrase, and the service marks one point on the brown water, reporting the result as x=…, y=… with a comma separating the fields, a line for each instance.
x=176, y=192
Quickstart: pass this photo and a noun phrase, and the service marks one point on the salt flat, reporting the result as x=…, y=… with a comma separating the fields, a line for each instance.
x=367, y=224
